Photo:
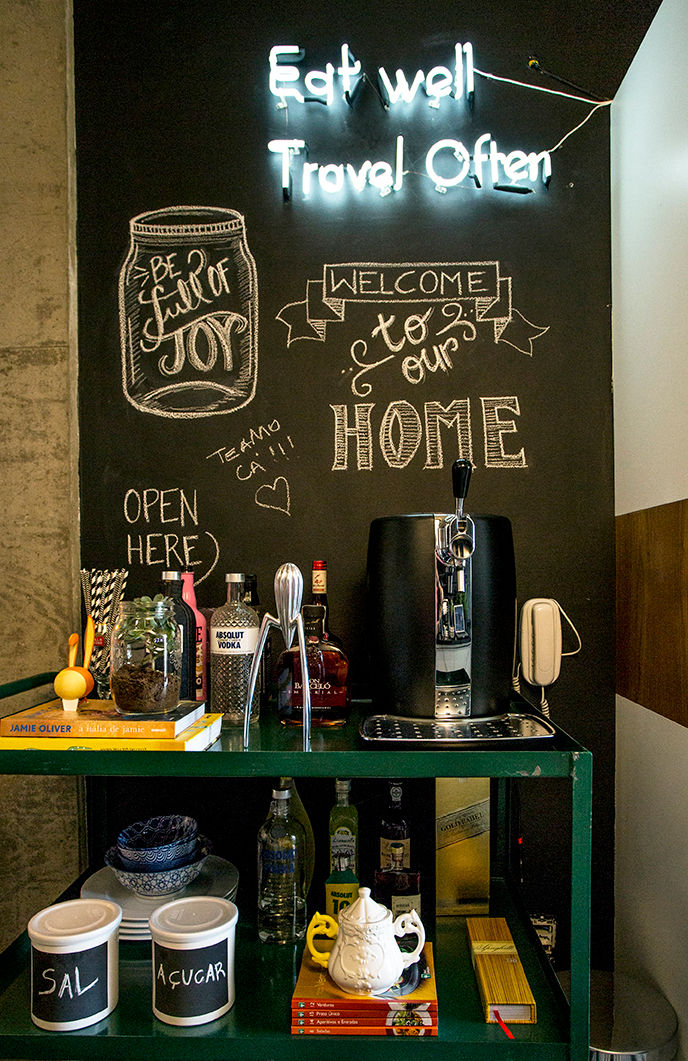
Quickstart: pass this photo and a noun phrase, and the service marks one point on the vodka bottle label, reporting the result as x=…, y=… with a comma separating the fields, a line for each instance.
x=233, y=641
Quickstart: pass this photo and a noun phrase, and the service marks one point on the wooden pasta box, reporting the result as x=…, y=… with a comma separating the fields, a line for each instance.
x=504, y=989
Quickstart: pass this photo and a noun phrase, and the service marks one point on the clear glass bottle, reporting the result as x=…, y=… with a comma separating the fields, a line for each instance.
x=172, y=587
x=201, y=671
x=233, y=639
x=281, y=862
x=341, y=887
x=299, y=812
x=328, y=676
x=146, y=657
x=343, y=827
x=394, y=827
x=397, y=888
x=265, y=676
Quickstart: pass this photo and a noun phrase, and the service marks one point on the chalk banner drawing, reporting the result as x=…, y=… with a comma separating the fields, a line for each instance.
x=188, y=313
x=472, y=294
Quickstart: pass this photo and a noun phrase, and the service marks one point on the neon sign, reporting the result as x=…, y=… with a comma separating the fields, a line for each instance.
x=438, y=83
x=449, y=163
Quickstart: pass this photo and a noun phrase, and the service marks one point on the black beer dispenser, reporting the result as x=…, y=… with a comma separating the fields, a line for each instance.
x=442, y=612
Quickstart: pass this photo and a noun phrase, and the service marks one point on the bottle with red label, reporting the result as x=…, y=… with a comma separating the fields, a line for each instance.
x=201, y=672
x=319, y=596
x=328, y=676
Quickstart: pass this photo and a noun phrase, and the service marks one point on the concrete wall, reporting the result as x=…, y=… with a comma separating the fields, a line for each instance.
x=650, y=294
x=39, y=519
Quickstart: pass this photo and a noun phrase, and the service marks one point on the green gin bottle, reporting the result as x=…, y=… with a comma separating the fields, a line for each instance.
x=341, y=887
x=343, y=827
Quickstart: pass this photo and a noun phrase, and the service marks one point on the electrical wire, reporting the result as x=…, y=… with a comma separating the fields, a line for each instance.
x=540, y=88
x=596, y=104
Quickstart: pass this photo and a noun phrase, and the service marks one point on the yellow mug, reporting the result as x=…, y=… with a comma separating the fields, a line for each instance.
x=321, y=925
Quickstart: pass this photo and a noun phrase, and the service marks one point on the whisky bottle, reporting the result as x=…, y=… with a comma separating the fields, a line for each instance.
x=394, y=828
x=395, y=887
x=319, y=596
x=343, y=827
x=328, y=675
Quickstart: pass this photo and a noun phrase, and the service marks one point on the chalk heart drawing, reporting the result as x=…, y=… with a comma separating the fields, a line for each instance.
x=275, y=495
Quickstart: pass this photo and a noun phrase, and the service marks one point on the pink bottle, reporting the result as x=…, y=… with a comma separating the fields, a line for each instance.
x=189, y=595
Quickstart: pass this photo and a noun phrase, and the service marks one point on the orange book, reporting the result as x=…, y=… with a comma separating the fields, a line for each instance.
x=409, y=1008
x=391, y=1030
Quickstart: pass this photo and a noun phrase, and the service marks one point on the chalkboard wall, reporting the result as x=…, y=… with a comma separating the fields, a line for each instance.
x=259, y=389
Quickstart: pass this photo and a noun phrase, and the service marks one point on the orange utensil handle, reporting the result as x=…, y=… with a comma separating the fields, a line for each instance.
x=73, y=645
x=89, y=637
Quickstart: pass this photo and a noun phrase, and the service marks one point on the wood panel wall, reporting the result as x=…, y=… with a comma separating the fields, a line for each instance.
x=652, y=609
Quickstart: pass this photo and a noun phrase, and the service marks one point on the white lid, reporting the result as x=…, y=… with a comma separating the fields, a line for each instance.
x=235, y=576
x=364, y=910
x=78, y=922
x=197, y=920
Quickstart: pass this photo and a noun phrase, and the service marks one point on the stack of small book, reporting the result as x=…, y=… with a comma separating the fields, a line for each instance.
x=319, y=1007
x=98, y=726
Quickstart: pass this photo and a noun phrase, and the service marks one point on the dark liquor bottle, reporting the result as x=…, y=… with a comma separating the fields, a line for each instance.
x=328, y=675
x=394, y=828
x=264, y=685
x=319, y=596
x=397, y=888
x=172, y=587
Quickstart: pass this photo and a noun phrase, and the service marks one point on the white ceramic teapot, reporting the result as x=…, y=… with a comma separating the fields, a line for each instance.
x=365, y=958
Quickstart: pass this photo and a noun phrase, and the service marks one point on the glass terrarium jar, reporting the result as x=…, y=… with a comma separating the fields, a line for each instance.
x=146, y=657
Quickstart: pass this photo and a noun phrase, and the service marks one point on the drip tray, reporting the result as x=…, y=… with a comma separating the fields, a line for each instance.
x=458, y=732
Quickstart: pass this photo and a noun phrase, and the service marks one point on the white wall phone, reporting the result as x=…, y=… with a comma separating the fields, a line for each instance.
x=540, y=644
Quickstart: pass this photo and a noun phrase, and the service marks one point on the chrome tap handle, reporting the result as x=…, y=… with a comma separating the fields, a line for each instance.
x=461, y=477
x=462, y=542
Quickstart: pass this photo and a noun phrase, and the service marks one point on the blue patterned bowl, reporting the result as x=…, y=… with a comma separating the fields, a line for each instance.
x=164, y=842
x=151, y=883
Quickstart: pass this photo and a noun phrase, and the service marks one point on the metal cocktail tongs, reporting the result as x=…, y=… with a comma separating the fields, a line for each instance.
x=288, y=597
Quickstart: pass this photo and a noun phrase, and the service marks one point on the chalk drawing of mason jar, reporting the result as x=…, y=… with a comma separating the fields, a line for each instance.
x=188, y=310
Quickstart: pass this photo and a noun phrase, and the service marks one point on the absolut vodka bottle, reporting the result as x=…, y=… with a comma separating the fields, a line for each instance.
x=281, y=866
x=233, y=638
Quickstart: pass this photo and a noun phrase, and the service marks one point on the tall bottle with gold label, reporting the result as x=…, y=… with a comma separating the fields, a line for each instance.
x=343, y=827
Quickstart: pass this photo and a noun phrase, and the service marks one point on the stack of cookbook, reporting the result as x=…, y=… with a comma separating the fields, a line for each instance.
x=98, y=726
x=319, y=1007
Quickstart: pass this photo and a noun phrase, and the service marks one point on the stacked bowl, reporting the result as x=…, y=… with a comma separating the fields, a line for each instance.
x=158, y=856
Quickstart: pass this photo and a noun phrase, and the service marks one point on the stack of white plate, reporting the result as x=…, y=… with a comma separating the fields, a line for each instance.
x=218, y=877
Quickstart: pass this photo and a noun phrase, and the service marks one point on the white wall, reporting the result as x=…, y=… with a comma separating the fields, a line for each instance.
x=650, y=304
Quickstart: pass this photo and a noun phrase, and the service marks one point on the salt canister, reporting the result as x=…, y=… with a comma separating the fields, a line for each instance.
x=74, y=963
x=193, y=959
